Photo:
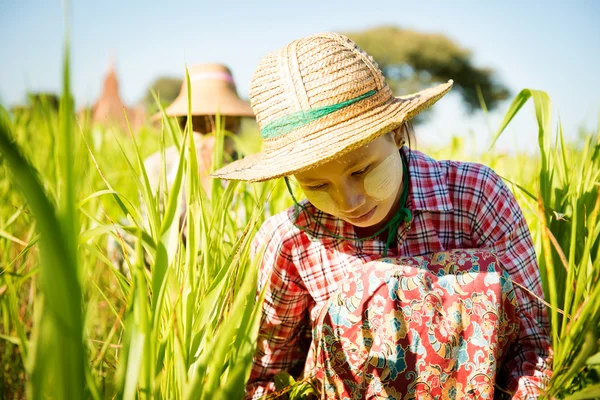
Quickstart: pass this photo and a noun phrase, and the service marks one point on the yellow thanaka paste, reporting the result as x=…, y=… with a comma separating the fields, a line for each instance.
x=383, y=180
x=322, y=200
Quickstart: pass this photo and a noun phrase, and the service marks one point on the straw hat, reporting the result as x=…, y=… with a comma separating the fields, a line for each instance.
x=213, y=91
x=316, y=99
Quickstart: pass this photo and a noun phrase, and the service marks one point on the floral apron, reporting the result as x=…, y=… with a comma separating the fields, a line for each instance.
x=426, y=327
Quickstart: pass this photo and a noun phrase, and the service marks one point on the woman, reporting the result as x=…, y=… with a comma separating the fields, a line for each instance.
x=441, y=322
x=213, y=92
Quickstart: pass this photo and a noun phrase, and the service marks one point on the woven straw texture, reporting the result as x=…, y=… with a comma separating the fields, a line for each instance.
x=321, y=70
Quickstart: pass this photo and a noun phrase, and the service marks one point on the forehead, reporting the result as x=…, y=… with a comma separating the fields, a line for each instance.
x=372, y=151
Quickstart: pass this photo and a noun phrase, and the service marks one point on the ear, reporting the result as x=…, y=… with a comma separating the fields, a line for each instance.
x=399, y=135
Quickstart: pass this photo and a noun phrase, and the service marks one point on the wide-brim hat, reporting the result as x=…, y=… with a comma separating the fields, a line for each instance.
x=317, y=99
x=213, y=92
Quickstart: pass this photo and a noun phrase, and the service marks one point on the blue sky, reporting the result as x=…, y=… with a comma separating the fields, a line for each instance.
x=549, y=45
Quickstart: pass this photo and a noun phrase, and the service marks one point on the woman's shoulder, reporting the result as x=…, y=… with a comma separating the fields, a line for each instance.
x=461, y=173
x=463, y=185
x=452, y=168
x=476, y=174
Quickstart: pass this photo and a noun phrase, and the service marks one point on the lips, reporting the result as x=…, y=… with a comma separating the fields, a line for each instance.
x=362, y=218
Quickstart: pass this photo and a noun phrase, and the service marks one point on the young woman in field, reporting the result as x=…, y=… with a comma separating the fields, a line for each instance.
x=394, y=278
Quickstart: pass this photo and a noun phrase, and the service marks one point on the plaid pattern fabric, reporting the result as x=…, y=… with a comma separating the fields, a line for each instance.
x=455, y=205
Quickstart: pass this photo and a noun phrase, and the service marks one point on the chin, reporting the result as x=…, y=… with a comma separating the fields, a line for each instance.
x=359, y=225
x=373, y=221
x=370, y=224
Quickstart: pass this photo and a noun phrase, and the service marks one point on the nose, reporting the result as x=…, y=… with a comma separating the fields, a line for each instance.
x=349, y=198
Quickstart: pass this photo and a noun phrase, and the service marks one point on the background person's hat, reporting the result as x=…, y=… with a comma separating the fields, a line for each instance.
x=213, y=91
x=316, y=99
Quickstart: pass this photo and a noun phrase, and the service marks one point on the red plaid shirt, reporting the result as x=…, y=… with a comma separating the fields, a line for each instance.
x=455, y=205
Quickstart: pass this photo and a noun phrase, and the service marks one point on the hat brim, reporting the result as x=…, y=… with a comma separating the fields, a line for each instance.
x=333, y=136
x=225, y=105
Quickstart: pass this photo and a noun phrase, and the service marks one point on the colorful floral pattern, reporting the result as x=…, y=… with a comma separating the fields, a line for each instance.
x=426, y=327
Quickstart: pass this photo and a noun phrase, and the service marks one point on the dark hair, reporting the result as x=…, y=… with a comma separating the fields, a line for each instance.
x=207, y=123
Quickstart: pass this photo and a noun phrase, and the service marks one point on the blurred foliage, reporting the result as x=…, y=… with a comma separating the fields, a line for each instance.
x=36, y=101
x=167, y=89
x=412, y=61
x=41, y=99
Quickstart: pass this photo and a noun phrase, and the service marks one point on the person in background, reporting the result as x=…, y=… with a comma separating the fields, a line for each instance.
x=213, y=93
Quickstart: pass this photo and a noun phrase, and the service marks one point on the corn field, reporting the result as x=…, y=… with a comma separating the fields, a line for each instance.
x=181, y=321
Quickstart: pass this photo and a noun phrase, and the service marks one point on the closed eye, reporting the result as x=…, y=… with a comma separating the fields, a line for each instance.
x=317, y=187
x=362, y=171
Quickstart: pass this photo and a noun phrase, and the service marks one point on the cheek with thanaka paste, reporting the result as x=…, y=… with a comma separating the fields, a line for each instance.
x=384, y=179
x=322, y=200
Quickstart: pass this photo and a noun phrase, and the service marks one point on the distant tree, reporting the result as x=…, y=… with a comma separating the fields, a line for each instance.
x=43, y=99
x=167, y=88
x=412, y=61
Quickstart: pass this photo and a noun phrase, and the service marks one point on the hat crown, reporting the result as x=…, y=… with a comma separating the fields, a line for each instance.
x=320, y=70
x=213, y=91
x=208, y=77
x=208, y=67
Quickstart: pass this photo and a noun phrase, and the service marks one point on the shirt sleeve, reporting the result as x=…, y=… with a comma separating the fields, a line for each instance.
x=500, y=226
x=284, y=311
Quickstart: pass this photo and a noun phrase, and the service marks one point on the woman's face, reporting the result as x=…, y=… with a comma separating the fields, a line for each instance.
x=205, y=124
x=361, y=187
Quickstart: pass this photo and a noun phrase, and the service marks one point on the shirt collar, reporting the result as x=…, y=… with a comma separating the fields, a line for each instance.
x=428, y=184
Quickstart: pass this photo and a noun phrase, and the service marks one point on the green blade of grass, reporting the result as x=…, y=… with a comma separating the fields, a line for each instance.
x=60, y=365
